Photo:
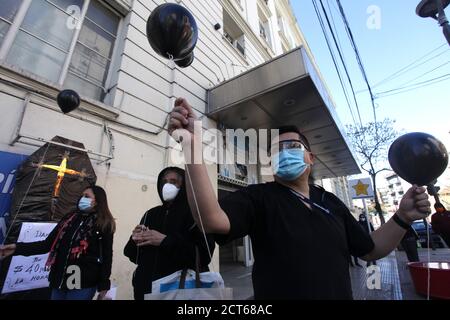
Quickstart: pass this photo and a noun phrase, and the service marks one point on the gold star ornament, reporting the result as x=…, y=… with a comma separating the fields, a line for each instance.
x=361, y=188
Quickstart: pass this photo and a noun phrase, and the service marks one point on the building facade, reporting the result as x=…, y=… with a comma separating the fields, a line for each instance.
x=339, y=186
x=396, y=188
x=99, y=48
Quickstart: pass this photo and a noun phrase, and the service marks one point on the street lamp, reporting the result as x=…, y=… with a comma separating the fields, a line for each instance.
x=435, y=9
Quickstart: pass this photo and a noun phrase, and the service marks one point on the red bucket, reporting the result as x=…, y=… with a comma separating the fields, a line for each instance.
x=439, y=278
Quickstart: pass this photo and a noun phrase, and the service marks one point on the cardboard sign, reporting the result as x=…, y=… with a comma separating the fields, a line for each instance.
x=26, y=273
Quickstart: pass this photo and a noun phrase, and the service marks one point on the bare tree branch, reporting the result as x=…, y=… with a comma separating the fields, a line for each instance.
x=371, y=142
x=384, y=169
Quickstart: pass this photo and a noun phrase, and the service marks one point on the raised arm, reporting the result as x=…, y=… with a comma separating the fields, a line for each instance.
x=414, y=206
x=201, y=196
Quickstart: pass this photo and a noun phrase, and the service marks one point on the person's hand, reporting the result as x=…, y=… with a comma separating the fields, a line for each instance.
x=7, y=250
x=414, y=204
x=181, y=121
x=151, y=238
x=136, y=235
x=102, y=295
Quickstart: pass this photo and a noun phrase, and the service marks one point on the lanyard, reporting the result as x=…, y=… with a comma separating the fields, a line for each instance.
x=310, y=202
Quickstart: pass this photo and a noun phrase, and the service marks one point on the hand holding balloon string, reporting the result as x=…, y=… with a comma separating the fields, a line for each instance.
x=414, y=204
x=182, y=119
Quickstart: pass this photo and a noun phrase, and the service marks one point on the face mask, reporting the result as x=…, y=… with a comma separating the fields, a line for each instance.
x=169, y=192
x=289, y=164
x=85, y=204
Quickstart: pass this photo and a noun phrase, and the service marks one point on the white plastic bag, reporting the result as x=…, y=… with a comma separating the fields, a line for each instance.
x=211, y=287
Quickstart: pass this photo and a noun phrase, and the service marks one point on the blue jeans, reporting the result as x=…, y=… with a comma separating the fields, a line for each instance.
x=81, y=294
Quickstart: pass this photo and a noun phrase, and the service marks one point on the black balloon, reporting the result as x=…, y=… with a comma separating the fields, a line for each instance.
x=172, y=31
x=68, y=100
x=418, y=158
x=186, y=62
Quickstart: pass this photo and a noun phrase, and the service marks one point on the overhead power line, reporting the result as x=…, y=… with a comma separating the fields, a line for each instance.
x=424, y=74
x=322, y=25
x=340, y=56
x=413, y=86
x=358, y=57
x=412, y=66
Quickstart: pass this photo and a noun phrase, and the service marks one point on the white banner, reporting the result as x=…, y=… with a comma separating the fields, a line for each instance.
x=26, y=273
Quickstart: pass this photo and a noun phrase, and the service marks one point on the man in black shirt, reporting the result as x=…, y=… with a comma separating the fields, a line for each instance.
x=302, y=236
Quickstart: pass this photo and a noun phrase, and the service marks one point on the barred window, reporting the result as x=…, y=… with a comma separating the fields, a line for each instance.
x=68, y=42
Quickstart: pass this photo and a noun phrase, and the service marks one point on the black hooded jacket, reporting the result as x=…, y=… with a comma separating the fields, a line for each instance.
x=177, y=250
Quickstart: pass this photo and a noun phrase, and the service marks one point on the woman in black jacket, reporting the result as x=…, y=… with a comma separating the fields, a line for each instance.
x=166, y=238
x=80, y=249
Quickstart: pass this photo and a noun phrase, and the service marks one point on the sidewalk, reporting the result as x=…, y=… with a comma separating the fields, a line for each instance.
x=390, y=282
x=396, y=283
x=239, y=278
x=409, y=293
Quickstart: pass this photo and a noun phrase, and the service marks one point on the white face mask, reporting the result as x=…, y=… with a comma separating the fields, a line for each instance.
x=169, y=192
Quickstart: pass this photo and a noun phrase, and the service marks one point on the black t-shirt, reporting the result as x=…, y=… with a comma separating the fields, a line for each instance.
x=299, y=253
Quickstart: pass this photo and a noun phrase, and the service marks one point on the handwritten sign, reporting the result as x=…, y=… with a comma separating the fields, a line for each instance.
x=32, y=232
x=26, y=273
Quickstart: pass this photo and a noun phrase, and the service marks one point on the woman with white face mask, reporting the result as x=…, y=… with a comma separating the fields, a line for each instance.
x=165, y=239
x=83, y=241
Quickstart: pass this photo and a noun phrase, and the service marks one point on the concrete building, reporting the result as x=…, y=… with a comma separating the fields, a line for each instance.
x=396, y=189
x=255, y=71
x=339, y=186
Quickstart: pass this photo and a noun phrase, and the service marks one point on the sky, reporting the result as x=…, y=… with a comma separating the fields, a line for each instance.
x=400, y=38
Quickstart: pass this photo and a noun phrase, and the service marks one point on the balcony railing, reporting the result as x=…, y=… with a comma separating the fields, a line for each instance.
x=235, y=43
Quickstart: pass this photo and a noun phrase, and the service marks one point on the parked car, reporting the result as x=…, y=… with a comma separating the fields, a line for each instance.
x=435, y=239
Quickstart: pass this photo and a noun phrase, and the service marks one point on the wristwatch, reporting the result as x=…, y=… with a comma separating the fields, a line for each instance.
x=400, y=222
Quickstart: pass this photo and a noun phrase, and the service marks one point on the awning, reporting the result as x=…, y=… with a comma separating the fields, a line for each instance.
x=287, y=90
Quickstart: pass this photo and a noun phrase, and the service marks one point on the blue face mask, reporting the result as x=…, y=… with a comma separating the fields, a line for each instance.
x=289, y=164
x=85, y=204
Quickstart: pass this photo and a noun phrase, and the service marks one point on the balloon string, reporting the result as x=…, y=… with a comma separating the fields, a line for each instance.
x=196, y=205
x=137, y=247
x=203, y=229
x=171, y=60
x=428, y=258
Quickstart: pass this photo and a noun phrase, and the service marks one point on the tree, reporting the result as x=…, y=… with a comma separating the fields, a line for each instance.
x=372, y=142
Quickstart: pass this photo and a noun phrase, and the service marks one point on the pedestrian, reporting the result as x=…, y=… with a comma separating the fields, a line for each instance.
x=409, y=244
x=302, y=235
x=166, y=238
x=440, y=222
x=81, y=241
x=367, y=227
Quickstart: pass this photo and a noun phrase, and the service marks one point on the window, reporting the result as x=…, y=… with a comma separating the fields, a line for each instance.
x=262, y=31
x=264, y=27
x=8, y=11
x=240, y=45
x=233, y=34
x=68, y=42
